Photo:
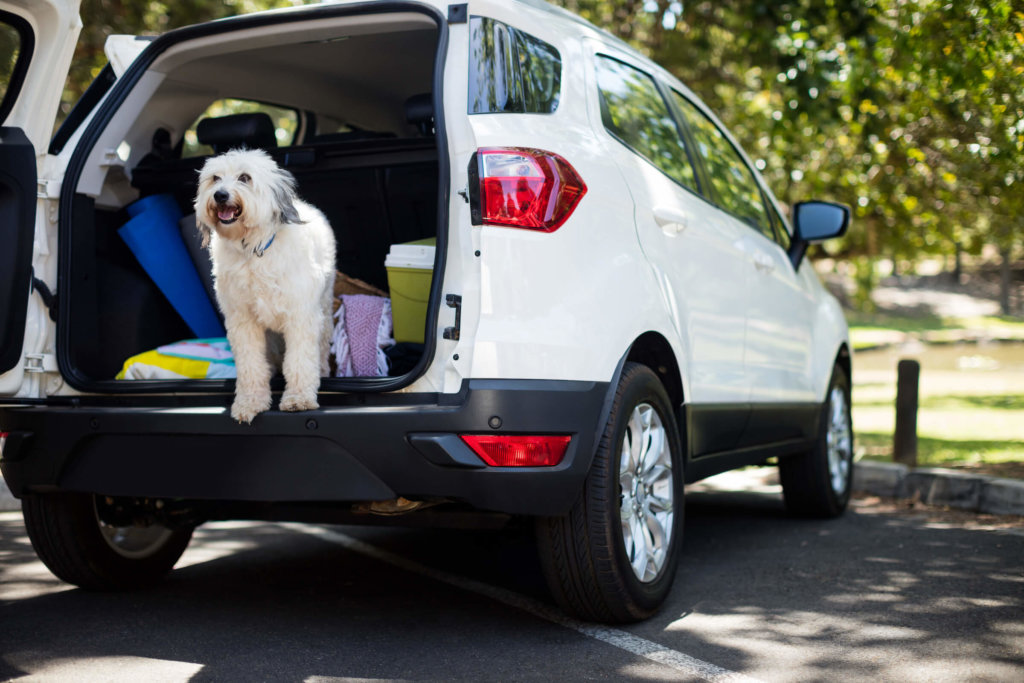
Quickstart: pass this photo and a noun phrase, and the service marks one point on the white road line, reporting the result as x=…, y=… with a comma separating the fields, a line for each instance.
x=621, y=639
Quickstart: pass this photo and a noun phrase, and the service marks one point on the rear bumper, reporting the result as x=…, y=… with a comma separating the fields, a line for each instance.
x=357, y=447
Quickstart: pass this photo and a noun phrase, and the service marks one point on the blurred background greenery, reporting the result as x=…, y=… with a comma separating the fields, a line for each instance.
x=910, y=111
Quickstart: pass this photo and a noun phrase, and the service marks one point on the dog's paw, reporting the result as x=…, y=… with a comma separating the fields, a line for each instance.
x=243, y=410
x=294, y=402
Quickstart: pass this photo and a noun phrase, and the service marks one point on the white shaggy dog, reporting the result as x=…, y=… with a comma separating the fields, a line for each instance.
x=273, y=268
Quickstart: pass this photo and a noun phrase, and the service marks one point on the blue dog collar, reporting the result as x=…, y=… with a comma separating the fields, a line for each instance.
x=259, y=250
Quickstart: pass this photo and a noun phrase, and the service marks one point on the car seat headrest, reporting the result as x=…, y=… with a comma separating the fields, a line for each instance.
x=253, y=131
x=419, y=111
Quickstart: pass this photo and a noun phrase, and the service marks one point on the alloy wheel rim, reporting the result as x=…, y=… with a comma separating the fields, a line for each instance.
x=134, y=542
x=839, y=442
x=647, y=493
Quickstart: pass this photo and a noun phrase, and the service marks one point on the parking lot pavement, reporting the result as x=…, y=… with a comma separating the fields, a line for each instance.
x=876, y=595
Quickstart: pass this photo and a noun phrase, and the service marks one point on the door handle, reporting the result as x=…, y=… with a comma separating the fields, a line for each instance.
x=671, y=220
x=763, y=262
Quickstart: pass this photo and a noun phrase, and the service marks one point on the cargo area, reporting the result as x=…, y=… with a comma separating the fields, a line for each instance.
x=343, y=103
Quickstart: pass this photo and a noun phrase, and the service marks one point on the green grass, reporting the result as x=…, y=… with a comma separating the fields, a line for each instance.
x=874, y=329
x=971, y=405
x=1011, y=402
x=998, y=457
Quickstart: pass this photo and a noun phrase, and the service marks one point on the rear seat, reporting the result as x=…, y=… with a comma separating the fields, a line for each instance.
x=374, y=191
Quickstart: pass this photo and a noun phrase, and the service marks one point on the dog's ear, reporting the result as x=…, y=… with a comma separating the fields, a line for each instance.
x=284, y=198
x=205, y=230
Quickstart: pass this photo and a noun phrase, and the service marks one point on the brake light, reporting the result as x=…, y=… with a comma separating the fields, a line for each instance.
x=526, y=188
x=513, y=450
x=3, y=440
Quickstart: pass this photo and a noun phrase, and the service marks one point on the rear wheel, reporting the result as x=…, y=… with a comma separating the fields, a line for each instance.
x=70, y=536
x=818, y=483
x=613, y=557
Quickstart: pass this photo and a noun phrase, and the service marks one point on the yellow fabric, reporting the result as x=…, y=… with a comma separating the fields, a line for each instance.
x=186, y=368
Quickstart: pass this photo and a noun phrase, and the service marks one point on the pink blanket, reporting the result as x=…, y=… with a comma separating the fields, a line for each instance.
x=361, y=333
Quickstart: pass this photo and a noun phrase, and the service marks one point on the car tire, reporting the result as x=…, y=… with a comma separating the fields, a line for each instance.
x=595, y=557
x=71, y=540
x=818, y=483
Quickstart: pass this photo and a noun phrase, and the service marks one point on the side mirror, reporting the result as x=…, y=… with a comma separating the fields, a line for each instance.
x=815, y=222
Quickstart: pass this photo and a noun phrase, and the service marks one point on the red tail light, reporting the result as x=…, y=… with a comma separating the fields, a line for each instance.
x=526, y=188
x=512, y=450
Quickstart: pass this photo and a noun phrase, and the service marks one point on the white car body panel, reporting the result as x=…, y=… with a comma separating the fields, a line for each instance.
x=55, y=25
x=580, y=294
x=122, y=50
x=693, y=251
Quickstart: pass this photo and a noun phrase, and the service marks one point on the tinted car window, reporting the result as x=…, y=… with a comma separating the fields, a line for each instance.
x=733, y=182
x=16, y=44
x=511, y=71
x=781, y=233
x=634, y=110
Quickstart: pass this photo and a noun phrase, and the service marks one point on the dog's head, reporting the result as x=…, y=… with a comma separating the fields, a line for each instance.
x=243, y=194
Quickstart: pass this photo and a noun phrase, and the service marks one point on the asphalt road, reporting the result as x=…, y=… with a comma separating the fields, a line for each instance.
x=880, y=594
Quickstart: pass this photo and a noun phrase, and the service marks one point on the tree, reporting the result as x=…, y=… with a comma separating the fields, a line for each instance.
x=102, y=18
x=909, y=110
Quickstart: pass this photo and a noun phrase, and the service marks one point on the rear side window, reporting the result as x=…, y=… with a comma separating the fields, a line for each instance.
x=733, y=182
x=781, y=232
x=16, y=44
x=635, y=112
x=511, y=71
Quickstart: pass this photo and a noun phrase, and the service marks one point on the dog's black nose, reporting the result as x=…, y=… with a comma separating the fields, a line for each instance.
x=220, y=196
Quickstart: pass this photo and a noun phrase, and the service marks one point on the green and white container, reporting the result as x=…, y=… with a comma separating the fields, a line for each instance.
x=410, y=268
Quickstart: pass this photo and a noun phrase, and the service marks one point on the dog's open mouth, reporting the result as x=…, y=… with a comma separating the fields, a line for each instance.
x=228, y=213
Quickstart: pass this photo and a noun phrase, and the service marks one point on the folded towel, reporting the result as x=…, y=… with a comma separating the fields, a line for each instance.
x=188, y=359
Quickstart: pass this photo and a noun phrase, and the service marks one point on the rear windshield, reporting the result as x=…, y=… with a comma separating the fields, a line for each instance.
x=511, y=71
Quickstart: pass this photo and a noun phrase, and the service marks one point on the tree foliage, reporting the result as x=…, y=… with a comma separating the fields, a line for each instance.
x=102, y=18
x=911, y=111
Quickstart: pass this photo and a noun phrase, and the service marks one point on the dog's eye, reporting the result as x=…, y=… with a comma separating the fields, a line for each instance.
x=216, y=178
x=244, y=178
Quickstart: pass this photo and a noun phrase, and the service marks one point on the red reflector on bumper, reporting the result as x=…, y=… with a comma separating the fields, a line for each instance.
x=512, y=450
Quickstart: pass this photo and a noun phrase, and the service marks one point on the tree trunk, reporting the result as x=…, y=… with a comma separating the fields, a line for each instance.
x=958, y=270
x=1004, y=279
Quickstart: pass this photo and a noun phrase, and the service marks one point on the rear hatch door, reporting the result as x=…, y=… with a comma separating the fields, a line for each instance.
x=37, y=40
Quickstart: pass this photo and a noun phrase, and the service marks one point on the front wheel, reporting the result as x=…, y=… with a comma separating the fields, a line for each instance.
x=70, y=537
x=818, y=483
x=613, y=557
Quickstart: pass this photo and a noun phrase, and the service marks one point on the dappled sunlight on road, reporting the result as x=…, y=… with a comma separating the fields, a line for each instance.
x=870, y=596
x=113, y=668
x=21, y=575
x=882, y=593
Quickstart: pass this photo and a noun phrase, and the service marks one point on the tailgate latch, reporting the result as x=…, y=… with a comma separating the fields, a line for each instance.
x=40, y=362
x=453, y=301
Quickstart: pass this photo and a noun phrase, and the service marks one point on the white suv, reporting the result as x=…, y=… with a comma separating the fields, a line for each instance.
x=617, y=304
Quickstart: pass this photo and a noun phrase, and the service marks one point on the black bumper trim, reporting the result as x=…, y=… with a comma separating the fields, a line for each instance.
x=351, y=451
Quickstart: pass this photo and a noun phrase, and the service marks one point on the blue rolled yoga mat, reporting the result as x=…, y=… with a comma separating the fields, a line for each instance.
x=152, y=235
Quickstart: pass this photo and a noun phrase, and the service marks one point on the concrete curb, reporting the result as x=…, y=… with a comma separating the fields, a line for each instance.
x=937, y=486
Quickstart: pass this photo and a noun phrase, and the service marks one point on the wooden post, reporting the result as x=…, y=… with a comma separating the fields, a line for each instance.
x=904, y=441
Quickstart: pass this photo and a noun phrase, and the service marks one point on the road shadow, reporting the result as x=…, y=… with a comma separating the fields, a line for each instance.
x=757, y=591
x=874, y=596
